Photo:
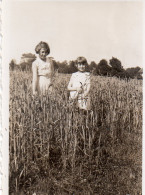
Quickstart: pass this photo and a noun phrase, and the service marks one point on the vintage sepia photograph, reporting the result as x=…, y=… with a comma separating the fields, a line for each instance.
x=74, y=74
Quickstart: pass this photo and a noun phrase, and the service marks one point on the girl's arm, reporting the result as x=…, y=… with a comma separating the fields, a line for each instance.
x=71, y=88
x=70, y=85
x=87, y=86
x=35, y=78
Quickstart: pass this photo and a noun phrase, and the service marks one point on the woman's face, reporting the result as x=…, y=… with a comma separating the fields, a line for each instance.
x=81, y=66
x=43, y=53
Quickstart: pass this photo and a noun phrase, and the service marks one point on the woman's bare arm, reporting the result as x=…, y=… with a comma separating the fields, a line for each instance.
x=35, y=78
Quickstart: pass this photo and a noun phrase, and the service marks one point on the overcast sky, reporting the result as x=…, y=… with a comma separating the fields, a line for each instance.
x=95, y=30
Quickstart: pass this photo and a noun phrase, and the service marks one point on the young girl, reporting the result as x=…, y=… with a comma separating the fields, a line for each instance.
x=79, y=85
x=43, y=70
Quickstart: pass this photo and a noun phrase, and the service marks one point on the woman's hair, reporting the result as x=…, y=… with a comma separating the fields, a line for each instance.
x=42, y=45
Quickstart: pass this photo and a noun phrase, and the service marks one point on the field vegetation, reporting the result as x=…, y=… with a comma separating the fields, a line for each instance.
x=55, y=149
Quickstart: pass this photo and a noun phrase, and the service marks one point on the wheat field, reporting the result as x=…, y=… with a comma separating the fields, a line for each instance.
x=55, y=149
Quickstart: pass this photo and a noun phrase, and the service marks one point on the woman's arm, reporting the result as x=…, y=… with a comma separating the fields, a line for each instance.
x=52, y=68
x=35, y=78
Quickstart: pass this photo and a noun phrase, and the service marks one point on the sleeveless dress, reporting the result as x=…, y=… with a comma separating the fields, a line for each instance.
x=43, y=73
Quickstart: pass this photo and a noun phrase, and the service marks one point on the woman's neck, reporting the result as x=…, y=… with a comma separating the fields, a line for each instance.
x=44, y=60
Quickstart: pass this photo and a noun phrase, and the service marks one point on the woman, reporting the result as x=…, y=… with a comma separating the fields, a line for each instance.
x=43, y=70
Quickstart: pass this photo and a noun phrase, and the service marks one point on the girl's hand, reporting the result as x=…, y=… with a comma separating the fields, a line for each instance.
x=79, y=89
x=34, y=93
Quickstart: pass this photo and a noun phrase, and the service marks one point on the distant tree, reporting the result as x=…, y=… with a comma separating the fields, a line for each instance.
x=26, y=61
x=72, y=67
x=140, y=74
x=117, y=68
x=123, y=74
x=133, y=72
x=55, y=65
x=62, y=67
x=116, y=64
x=12, y=64
x=22, y=66
x=140, y=71
x=103, y=68
x=93, y=67
x=29, y=56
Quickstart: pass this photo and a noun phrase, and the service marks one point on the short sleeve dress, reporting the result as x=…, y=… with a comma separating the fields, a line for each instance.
x=82, y=80
x=43, y=72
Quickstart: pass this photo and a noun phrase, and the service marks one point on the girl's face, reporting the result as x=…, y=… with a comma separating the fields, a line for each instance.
x=81, y=66
x=43, y=53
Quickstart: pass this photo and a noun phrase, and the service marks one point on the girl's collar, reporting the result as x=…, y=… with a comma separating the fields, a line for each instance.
x=47, y=59
x=81, y=72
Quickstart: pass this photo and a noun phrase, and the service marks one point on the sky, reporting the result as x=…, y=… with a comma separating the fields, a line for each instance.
x=95, y=30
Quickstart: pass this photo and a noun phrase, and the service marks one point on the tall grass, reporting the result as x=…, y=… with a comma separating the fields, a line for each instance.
x=56, y=149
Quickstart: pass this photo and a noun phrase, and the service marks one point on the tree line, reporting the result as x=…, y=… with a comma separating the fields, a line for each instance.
x=103, y=68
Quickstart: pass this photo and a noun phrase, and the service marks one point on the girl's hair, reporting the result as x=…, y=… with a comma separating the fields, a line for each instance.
x=82, y=60
x=42, y=45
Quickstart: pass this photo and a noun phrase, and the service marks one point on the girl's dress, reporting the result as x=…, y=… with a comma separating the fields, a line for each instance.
x=81, y=80
x=43, y=73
